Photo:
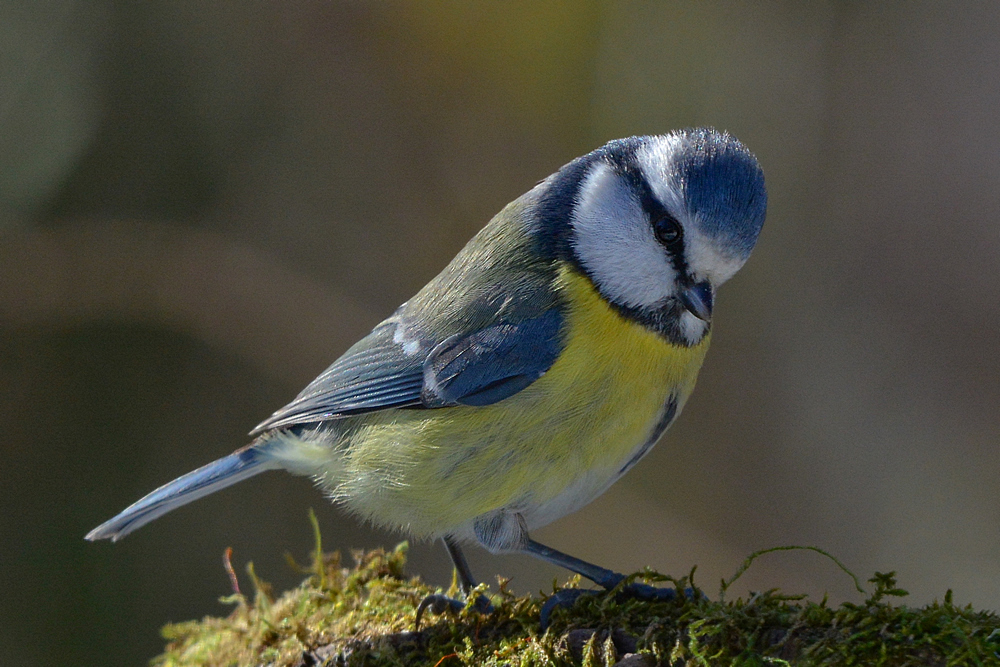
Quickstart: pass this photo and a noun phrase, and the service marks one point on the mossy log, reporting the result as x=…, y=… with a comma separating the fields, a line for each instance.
x=364, y=615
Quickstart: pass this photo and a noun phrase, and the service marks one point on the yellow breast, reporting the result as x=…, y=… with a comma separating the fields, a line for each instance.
x=431, y=471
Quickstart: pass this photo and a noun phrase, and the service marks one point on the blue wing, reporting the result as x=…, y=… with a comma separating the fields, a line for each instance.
x=397, y=367
x=491, y=364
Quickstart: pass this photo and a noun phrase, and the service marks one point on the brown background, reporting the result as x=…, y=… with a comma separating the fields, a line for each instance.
x=203, y=204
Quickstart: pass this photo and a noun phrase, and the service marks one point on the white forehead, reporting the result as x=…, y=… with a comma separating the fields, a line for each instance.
x=656, y=162
x=615, y=243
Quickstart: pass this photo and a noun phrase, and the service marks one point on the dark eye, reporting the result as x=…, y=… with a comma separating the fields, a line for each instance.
x=667, y=230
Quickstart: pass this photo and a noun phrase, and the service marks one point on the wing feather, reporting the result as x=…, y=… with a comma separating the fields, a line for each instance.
x=381, y=371
x=485, y=328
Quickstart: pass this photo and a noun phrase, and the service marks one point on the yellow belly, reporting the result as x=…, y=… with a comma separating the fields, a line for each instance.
x=433, y=471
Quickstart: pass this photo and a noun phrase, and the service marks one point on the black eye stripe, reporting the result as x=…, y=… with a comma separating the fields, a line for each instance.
x=654, y=209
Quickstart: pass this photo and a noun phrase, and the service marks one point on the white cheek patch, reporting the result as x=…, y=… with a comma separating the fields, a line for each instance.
x=615, y=243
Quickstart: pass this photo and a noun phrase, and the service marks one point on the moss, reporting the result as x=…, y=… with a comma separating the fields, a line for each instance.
x=364, y=615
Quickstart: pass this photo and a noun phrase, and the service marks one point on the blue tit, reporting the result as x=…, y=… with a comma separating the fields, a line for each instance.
x=535, y=370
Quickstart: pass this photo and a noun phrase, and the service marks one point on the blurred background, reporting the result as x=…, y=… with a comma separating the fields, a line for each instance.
x=203, y=204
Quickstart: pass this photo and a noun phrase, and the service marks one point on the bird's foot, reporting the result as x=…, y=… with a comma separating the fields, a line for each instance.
x=567, y=597
x=437, y=603
x=648, y=593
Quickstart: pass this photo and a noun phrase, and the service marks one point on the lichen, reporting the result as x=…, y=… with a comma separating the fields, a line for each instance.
x=364, y=615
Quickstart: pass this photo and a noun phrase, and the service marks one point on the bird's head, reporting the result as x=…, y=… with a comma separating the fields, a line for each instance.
x=658, y=223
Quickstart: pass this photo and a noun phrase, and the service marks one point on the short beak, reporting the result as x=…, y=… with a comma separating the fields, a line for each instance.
x=698, y=300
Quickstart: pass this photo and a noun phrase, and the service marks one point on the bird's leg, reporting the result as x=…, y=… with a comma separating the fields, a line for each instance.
x=465, y=578
x=441, y=603
x=599, y=575
x=603, y=577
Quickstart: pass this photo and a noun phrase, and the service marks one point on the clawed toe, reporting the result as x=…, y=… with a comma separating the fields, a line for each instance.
x=439, y=604
x=648, y=593
x=566, y=597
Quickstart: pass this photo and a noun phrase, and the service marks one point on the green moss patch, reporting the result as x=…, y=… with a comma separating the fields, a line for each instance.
x=364, y=615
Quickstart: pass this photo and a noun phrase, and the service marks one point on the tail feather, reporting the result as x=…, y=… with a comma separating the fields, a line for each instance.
x=208, y=479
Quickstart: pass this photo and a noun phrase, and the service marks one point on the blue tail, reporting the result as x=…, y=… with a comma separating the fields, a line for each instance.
x=205, y=480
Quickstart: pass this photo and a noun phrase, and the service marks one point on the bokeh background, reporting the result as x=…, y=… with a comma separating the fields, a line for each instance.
x=203, y=204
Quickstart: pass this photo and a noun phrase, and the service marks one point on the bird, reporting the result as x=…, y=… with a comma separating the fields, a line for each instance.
x=543, y=362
